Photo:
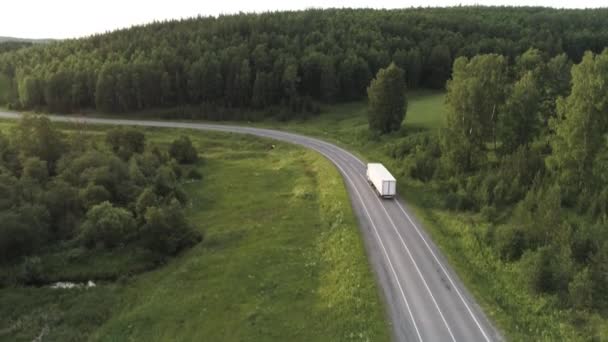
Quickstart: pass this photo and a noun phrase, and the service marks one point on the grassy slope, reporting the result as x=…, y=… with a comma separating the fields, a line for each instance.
x=496, y=285
x=282, y=260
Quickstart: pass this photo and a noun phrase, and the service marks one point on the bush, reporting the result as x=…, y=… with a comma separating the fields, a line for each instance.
x=93, y=195
x=19, y=235
x=124, y=142
x=194, y=174
x=145, y=200
x=458, y=201
x=489, y=213
x=31, y=272
x=166, y=230
x=35, y=169
x=183, y=151
x=536, y=271
x=586, y=241
x=165, y=181
x=510, y=241
x=425, y=165
x=599, y=274
x=423, y=141
x=548, y=269
x=108, y=226
x=580, y=290
x=63, y=203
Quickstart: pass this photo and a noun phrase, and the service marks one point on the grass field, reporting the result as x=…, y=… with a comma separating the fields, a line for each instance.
x=346, y=124
x=282, y=260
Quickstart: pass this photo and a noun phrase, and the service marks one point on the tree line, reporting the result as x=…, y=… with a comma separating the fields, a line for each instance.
x=292, y=60
x=66, y=190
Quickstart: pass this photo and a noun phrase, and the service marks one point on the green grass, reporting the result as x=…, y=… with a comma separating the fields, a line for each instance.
x=347, y=123
x=282, y=260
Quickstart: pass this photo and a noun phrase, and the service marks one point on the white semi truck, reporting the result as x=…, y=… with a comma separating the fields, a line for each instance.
x=383, y=182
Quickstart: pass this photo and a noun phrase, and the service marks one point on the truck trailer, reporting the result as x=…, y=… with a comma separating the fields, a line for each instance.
x=383, y=182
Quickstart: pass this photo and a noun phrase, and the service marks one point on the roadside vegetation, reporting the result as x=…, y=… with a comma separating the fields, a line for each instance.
x=65, y=199
x=506, y=172
x=282, y=256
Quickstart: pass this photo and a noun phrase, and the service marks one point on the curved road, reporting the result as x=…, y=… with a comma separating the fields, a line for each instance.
x=425, y=299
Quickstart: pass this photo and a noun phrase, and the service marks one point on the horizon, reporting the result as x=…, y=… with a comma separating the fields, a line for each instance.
x=83, y=25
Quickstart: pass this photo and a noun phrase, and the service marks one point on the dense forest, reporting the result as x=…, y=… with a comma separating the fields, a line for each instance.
x=290, y=60
x=65, y=194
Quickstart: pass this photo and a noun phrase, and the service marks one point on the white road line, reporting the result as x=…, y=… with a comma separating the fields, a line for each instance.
x=379, y=240
x=445, y=272
x=460, y=296
x=428, y=289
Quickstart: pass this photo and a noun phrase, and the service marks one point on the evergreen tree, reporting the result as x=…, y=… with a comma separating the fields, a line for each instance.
x=105, y=98
x=439, y=66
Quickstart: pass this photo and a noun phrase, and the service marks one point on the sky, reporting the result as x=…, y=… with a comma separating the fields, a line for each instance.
x=77, y=18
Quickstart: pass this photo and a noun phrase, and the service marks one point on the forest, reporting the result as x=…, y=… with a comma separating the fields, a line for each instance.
x=68, y=193
x=293, y=61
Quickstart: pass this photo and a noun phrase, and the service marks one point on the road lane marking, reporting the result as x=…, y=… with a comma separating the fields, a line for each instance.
x=460, y=296
x=428, y=289
x=445, y=272
x=379, y=240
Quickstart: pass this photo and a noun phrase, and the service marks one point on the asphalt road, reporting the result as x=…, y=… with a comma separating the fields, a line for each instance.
x=425, y=300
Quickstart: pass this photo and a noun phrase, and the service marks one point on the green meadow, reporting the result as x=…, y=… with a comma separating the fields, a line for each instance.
x=282, y=260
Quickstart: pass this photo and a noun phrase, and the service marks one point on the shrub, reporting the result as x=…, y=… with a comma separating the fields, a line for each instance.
x=93, y=195
x=183, y=151
x=166, y=230
x=63, y=203
x=16, y=237
x=489, y=213
x=194, y=174
x=31, y=272
x=425, y=165
x=457, y=201
x=145, y=200
x=35, y=169
x=510, y=241
x=580, y=290
x=535, y=266
x=165, y=181
x=599, y=274
x=548, y=269
x=586, y=240
x=124, y=142
x=107, y=225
